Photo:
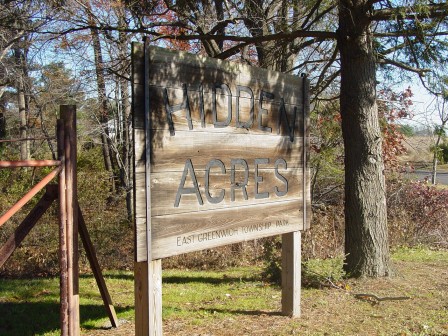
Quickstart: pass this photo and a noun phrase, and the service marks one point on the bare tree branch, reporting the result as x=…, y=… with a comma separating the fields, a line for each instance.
x=408, y=13
x=409, y=33
x=383, y=60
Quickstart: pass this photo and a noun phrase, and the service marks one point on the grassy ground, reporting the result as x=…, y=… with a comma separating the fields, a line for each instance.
x=236, y=302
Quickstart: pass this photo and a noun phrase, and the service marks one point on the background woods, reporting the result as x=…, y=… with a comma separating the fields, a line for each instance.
x=354, y=52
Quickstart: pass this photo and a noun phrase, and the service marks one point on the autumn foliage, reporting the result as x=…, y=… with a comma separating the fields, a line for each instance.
x=418, y=214
x=393, y=107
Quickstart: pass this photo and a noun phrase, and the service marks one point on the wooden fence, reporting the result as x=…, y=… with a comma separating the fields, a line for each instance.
x=71, y=222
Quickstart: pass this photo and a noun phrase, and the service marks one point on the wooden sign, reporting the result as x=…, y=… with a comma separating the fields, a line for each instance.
x=220, y=152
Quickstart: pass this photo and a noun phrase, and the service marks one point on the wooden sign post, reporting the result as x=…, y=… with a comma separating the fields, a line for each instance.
x=220, y=157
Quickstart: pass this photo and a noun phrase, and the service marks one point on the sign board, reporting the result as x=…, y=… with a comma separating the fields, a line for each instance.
x=220, y=152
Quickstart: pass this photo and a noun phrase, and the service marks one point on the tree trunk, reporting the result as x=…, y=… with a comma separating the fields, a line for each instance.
x=23, y=134
x=126, y=153
x=126, y=149
x=2, y=123
x=366, y=236
x=101, y=86
x=21, y=102
x=436, y=147
x=434, y=160
x=434, y=168
x=126, y=169
x=273, y=55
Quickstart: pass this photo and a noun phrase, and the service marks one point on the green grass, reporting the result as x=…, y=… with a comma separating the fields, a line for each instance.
x=31, y=306
x=419, y=254
x=237, y=299
x=217, y=294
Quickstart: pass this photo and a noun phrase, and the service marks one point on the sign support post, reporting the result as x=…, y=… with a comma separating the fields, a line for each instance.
x=291, y=273
x=292, y=242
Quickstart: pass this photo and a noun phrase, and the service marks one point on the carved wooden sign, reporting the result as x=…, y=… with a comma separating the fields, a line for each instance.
x=220, y=152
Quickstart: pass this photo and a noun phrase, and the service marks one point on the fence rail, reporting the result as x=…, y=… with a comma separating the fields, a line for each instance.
x=29, y=163
x=29, y=195
x=27, y=139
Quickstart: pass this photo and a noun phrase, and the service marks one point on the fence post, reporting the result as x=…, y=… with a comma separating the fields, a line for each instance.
x=62, y=233
x=68, y=115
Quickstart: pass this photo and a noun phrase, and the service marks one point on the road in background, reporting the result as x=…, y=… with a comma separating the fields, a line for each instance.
x=421, y=175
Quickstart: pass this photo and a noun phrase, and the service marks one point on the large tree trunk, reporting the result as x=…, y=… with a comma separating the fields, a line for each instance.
x=366, y=236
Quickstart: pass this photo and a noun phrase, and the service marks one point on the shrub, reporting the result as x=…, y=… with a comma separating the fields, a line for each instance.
x=418, y=214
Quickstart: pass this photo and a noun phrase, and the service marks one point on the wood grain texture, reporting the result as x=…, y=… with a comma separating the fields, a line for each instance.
x=139, y=187
x=148, y=298
x=141, y=298
x=164, y=187
x=168, y=69
x=63, y=255
x=257, y=114
x=291, y=273
x=170, y=152
x=307, y=211
x=264, y=118
x=155, y=297
x=181, y=233
x=140, y=247
x=138, y=75
x=68, y=115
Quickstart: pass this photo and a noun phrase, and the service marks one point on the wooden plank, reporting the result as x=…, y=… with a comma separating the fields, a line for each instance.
x=138, y=78
x=182, y=233
x=165, y=187
x=138, y=115
x=279, y=214
x=170, y=69
x=140, y=239
x=308, y=209
x=222, y=192
x=95, y=266
x=139, y=151
x=291, y=273
x=27, y=224
x=148, y=163
x=252, y=114
x=170, y=152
